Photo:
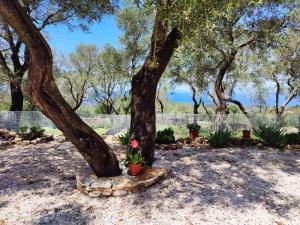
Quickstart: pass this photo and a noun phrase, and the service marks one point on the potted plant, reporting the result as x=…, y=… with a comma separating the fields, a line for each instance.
x=134, y=160
x=193, y=130
x=246, y=134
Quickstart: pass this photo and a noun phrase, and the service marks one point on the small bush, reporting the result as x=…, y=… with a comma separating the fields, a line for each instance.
x=219, y=139
x=124, y=138
x=292, y=138
x=193, y=126
x=165, y=136
x=271, y=134
x=204, y=133
x=31, y=133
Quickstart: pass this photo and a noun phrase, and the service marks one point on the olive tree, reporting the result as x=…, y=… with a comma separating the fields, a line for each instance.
x=44, y=92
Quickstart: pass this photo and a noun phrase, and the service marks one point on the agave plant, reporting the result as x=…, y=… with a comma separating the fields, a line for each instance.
x=270, y=133
x=219, y=138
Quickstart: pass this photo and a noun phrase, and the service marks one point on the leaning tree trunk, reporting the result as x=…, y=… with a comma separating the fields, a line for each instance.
x=45, y=94
x=144, y=85
x=222, y=111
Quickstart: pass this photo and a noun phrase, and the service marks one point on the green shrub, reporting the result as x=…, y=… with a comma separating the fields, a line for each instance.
x=124, y=138
x=271, y=134
x=292, y=138
x=219, y=139
x=180, y=131
x=30, y=134
x=193, y=126
x=233, y=108
x=204, y=133
x=165, y=136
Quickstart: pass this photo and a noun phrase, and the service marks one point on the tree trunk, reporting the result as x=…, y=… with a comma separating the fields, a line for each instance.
x=143, y=116
x=196, y=107
x=45, y=94
x=222, y=111
x=241, y=108
x=196, y=104
x=144, y=85
x=206, y=110
x=16, y=95
x=239, y=104
x=161, y=105
x=222, y=108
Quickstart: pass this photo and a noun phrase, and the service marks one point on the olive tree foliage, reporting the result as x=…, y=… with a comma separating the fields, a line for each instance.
x=110, y=78
x=192, y=68
x=14, y=57
x=175, y=22
x=135, y=24
x=103, y=76
x=45, y=94
x=245, y=27
x=95, y=75
x=77, y=73
x=281, y=66
x=163, y=89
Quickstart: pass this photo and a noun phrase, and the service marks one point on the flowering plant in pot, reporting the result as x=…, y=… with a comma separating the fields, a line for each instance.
x=193, y=130
x=134, y=160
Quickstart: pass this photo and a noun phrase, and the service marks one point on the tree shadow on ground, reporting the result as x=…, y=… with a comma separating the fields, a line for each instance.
x=3, y=204
x=239, y=178
x=235, y=177
x=69, y=214
x=37, y=167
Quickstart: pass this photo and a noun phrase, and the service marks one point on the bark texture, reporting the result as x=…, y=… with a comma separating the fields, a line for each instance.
x=44, y=93
x=144, y=85
x=279, y=110
x=219, y=89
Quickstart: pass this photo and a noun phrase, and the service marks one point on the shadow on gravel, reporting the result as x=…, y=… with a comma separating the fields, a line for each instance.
x=240, y=178
x=3, y=204
x=70, y=214
x=34, y=168
x=236, y=177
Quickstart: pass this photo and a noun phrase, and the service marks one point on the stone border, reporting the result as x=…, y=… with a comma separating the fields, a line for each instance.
x=93, y=186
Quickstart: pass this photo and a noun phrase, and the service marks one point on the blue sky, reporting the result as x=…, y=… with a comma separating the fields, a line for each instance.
x=64, y=41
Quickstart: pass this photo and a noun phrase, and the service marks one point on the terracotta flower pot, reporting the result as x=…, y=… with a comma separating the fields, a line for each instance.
x=246, y=133
x=193, y=133
x=134, y=169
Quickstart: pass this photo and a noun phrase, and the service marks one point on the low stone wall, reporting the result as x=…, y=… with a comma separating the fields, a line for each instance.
x=90, y=184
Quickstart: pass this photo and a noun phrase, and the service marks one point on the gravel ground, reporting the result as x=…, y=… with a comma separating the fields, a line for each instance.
x=204, y=186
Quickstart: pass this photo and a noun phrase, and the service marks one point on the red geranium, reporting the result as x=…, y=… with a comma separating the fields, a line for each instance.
x=134, y=144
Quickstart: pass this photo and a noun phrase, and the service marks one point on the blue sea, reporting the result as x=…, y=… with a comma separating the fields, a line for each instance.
x=186, y=97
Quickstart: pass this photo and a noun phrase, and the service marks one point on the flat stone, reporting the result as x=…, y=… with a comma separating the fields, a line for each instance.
x=121, y=185
x=101, y=183
x=95, y=194
x=119, y=193
x=150, y=173
x=85, y=181
x=106, y=193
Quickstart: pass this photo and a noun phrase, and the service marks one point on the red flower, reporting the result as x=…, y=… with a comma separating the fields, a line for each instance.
x=134, y=143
